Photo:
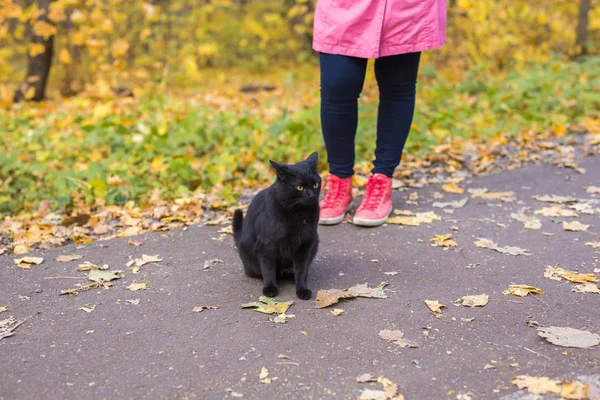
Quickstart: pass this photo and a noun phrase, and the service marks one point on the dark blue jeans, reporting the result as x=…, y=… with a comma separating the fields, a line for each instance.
x=342, y=79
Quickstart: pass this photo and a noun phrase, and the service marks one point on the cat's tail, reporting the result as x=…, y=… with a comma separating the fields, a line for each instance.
x=238, y=219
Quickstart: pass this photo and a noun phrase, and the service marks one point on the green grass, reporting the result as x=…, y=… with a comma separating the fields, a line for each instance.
x=51, y=155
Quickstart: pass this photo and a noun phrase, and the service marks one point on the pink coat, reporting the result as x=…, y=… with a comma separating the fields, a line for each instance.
x=378, y=28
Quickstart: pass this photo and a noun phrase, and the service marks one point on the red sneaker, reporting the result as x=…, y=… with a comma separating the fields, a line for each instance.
x=377, y=203
x=337, y=200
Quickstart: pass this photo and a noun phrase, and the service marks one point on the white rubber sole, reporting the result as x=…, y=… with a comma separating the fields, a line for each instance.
x=371, y=222
x=335, y=220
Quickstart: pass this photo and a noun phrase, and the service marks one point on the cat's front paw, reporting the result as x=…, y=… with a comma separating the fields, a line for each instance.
x=270, y=291
x=304, y=294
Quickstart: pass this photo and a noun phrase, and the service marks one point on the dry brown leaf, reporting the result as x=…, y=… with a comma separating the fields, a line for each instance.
x=443, y=241
x=137, y=286
x=575, y=226
x=69, y=257
x=136, y=243
x=325, y=298
x=479, y=300
x=522, y=290
x=434, y=306
x=396, y=337
x=556, y=211
x=83, y=288
x=202, y=308
x=452, y=188
x=27, y=261
x=512, y=250
x=537, y=384
x=267, y=305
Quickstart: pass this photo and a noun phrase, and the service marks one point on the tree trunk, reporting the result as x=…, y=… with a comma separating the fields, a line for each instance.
x=582, y=26
x=38, y=67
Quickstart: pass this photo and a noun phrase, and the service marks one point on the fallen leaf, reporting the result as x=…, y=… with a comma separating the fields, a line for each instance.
x=87, y=309
x=21, y=249
x=522, y=290
x=489, y=366
x=593, y=189
x=452, y=204
x=555, y=199
x=337, y=312
x=512, y=250
x=202, y=308
x=443, y=241
x=267, y=305
x=529, y=222
x=88, y=266
x=434, y=306
x=227, y=230
x=557, y=273
x=28, y=261
x=83, y=288
x=135, y=270
x=452, y=188
x=587, y=288
x=69, y=257
x=575, y=226
x=264, y=376
x=391, y=273
x=369, y=394
x=396, y=337
x=475, y=300
x=569, y=337
x=492, y=195
x=7, y=327
x=364, y=378
x=211, y=263
x=146, y=259
x=389, y=392
x=325, y=298
x=467, y=319
x=97, y=275
x=537, y=384
x=3, y=308
x=135, y=302
x=556, y=211
x=593, y=245
x=402, y=212
x=415, y=220
x=282, y=318
x=136, y=243
x=137, y=286
x=575, y=391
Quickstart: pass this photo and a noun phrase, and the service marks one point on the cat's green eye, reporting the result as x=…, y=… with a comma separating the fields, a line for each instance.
x=316, y=185
x=300, y=188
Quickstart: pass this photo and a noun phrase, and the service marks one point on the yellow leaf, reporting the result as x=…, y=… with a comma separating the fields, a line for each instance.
x=574, y=390
x=21, y=249
x=119, y=48
x=337, y=312
x=522, y=290
x=35, y=49
x=443, y=241
x=453, y=188
x=30, y=93
x=492, y=195
x=158, y=165
x=574, y=226
x=44, y=29
x=65, y=56
x=137, y=286
x=145, y=33
x=3, y=308
x=434, y=306
x=537, y=384
x=102, y=111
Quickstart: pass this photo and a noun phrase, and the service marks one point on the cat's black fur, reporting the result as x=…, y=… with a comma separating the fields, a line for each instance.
x=279, y=236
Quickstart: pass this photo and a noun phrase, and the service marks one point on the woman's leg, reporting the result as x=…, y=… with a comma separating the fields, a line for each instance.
x=396, y=77
x=342, y=79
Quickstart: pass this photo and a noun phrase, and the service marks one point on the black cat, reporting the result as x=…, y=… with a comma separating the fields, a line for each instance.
x=279, y=236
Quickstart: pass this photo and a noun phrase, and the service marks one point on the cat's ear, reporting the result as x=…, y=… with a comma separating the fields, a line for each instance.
x=281, y=170
x=313, y=159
